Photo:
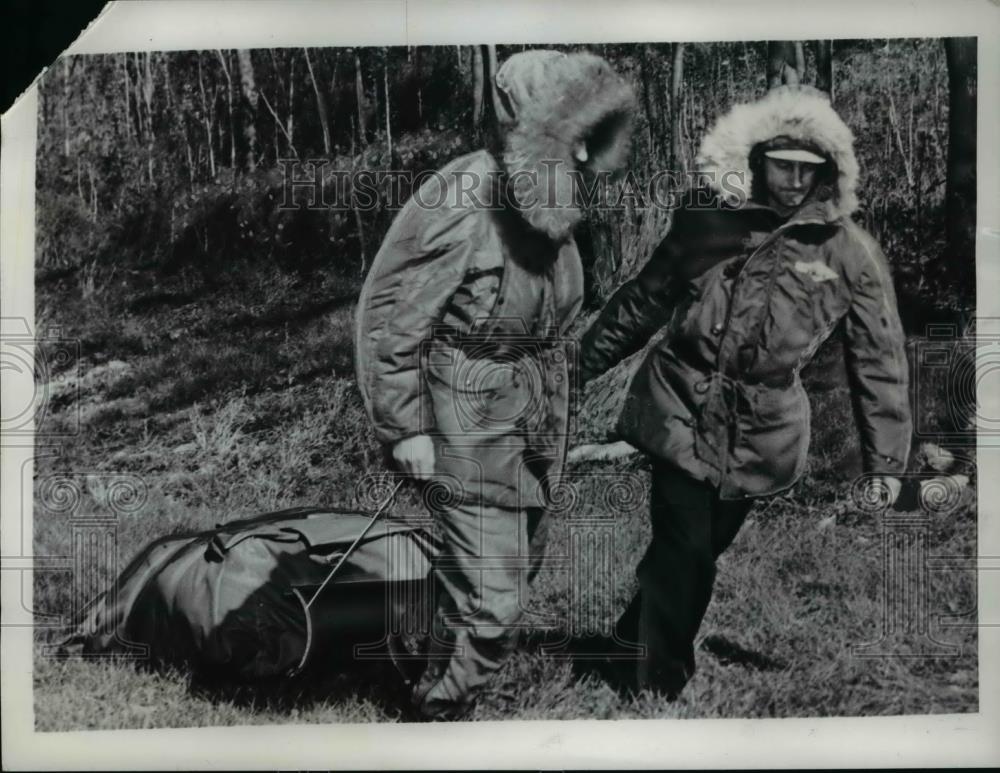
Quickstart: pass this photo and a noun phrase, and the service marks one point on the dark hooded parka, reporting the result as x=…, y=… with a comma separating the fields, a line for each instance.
x=747, y=297
x=460, y=321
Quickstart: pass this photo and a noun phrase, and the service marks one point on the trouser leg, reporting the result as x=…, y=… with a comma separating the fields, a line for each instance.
x=538, y=531
x=478, y=575
x=691, y=527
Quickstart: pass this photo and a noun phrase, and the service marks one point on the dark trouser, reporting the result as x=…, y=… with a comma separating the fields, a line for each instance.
x=691, y=527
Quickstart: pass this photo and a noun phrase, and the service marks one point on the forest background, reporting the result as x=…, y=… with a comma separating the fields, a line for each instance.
x=195, y=334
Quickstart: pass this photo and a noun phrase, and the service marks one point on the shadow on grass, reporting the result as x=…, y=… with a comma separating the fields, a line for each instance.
x=729, y=652
x=378, y=683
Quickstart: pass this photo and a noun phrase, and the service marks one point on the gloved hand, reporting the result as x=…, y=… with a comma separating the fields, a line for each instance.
x=890, y=484
x=415, y=456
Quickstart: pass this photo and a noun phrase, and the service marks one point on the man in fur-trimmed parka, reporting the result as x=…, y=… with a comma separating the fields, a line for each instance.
x=460, y=355
x=748, y=285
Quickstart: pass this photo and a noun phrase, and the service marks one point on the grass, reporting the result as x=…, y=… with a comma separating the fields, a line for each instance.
x=226, y=403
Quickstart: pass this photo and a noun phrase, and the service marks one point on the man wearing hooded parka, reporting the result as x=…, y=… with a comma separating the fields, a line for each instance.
x=461, y=353
x=758, y=269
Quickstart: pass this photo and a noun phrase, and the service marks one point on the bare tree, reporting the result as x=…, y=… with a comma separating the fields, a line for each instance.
x=230, y=99
x=477, y=88
x=491, y=97
x=785, y=63
x=415, y=72
x=648, y=74
x=905, y=157
x=676, y=123
x=291, y=97
x=320, y=103
x=285, y=127
x=67, y=88
x=409, y=98
x=181, y=115
x=824, y=66
x=388, y=106
x=248, y=85
x=207, y=116
x=358, y=221
x=485, y=99
x=800, y=60
x=128, y=101
x=359, y=90
x=960, y=191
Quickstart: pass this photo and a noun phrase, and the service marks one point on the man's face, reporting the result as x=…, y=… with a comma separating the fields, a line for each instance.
x=788, y=182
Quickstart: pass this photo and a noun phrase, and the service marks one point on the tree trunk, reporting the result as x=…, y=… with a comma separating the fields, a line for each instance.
x=409, y=104
x=172, y=101
x=374, y=109
x=800, y=60
x=420, y=88
x=206, y=119
x=320, y=103
x=93, y=191
x=477, y=88
x=731, y=80
x=783, y=63
x=750, y=77
x=358, y=222
x=491, y=97
x=651, y=117
x=334, y=100
x=824, y=66
x=79, y=182
x=128, y=101
x=148, y=90
x=894, y=123
x=248, y=85
x=66, y=95
x=280, y=126
x=960, y=192
x=359, y=90
x=140, y=121
x=230, y=100
x=168, y=86
x=676, y=125
x=291, y=99
x=388, y=108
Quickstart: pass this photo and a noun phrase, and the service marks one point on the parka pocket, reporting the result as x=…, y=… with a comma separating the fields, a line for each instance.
x=475, y=300
x=474, y=395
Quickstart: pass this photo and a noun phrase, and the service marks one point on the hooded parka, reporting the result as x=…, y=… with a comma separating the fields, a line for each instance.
x=746, y=298
x=460, y=336
x=460, y=322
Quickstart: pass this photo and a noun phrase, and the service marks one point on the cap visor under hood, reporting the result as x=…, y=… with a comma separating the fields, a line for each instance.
x=797, y=112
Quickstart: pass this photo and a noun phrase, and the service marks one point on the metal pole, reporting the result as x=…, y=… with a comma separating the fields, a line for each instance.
x=357, y=541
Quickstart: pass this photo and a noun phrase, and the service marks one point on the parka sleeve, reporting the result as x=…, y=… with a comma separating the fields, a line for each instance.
x=409, y=300
x=635, y=312
x=876, y=362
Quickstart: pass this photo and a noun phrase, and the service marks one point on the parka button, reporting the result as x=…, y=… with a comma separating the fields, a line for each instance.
x=701, y=387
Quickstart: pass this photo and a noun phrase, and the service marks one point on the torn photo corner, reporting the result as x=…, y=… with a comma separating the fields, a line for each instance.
x=434, y=383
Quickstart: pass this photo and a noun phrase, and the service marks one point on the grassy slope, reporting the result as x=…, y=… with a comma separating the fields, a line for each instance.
x=241, y=400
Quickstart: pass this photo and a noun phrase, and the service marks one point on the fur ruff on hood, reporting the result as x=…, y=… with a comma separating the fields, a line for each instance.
x=798, y=112
x=547, y=102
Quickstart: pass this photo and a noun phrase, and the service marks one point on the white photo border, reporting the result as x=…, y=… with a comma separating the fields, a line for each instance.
x=925, y=741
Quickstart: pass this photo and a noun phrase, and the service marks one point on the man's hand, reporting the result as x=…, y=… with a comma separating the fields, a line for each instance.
x=415, y=456
x=890, y=484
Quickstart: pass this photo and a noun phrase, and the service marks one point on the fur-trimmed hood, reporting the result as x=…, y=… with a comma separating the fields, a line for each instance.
x=547, y=102
x=798, y=112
